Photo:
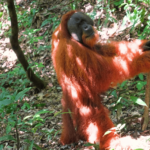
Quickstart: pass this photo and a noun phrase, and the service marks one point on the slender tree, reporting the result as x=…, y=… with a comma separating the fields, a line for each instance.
x=145, y=118
x=16, y=48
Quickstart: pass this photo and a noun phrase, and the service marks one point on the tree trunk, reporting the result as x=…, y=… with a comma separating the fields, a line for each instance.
x=16, y=48
x=146, y=108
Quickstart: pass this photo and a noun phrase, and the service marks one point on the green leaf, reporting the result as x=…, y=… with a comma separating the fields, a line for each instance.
x=39, y=65
x=141, y=76
x=57, y=113
x=90, y=144
x=138, y=101
x=114, y=93
x=140, y=84
x=123, y=83
x=25, y=105
x=119, y=101
x=5, y=102
x=27, y=117
x=47, y=21
x=120, y=126
x=117, y=3
x=37, y=147
x=42, y=112
x=21, y=94
x=31, y=145
x=58, y=88
x=1, y=14
x=107, y=132
x=1, y=147
x=8, y=129
x=7, y=137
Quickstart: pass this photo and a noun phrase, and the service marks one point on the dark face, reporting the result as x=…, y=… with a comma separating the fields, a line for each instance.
x=80, y=24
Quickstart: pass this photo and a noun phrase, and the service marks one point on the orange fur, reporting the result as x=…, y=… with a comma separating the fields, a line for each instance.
x=86, y=71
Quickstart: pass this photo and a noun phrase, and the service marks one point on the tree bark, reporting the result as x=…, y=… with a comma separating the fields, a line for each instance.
x=16, y=48
x=145, y=118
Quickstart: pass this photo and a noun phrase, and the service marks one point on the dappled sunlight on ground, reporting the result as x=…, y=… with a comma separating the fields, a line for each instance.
x=7, y=56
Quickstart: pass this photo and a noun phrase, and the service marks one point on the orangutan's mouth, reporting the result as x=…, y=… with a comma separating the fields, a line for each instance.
x=90, y=35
